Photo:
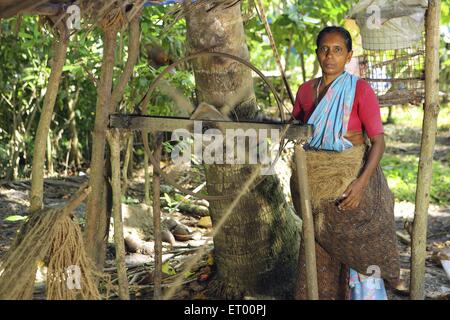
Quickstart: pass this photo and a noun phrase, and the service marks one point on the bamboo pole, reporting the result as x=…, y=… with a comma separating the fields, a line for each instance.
x=157, y=217
x=429, y=126
x=308, y=223
x=114, y=144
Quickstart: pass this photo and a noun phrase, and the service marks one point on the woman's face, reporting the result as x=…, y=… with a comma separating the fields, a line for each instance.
x=333, y=54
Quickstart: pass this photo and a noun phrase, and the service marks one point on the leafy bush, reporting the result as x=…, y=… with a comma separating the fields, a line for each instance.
x=401, y=173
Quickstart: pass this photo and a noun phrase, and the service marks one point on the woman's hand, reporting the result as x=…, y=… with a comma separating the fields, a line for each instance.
x=352, y=196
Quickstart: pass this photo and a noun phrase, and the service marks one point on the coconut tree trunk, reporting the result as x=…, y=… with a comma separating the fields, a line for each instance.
x=59, y=57
x=256, y=250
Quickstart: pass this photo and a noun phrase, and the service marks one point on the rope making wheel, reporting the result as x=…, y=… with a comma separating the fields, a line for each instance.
x=209, y=115
x=221, y=122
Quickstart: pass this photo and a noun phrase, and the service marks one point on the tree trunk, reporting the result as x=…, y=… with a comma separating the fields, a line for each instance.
x=133, y=53
x=302, y=64
x=256, y=250
x=13, y=170
x=147, y=200
x=389, y=119
x=50, y=170
x=75, y=154
x=59, y=57
x=316, y=69
x=157, y=275
x=96, y=215
x=114, y=143
x=127, y=162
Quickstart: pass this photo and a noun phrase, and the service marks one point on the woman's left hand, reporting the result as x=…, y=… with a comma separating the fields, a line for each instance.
x=353, y=194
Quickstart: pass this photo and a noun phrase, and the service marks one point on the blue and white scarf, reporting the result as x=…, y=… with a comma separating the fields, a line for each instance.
x=330, y=117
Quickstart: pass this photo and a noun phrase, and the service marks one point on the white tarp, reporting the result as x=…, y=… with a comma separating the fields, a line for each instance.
x=389, y=24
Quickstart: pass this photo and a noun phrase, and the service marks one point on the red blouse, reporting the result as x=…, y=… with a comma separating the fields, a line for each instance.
x=365, y=111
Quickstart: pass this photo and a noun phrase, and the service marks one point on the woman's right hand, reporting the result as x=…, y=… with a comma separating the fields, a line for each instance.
x=353, y=195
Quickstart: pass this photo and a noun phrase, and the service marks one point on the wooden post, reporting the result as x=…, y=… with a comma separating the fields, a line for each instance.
x=431, y=110
x=308, y=223
x=114, y=143
x=157, y=217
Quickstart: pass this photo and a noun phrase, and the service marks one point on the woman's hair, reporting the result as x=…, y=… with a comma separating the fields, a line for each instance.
x=335, y=29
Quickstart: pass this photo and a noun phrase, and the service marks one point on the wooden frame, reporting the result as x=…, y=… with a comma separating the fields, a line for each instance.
x=300, y=133
x=169, y=124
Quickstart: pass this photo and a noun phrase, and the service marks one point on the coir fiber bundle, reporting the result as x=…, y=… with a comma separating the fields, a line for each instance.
x=361, y=237
x=49, y=236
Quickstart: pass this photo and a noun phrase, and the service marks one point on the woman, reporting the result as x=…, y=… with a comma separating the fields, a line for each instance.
x=352, y=204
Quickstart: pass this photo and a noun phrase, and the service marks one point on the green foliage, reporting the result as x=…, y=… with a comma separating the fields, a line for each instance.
x=22, y=82
x=295, y=25
x=129, y=200
x=168, y=202
x=168, y=269
x=445, y=13
x=15, y=218
x=25, y=59
x=401, y=169
x=401, y=173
